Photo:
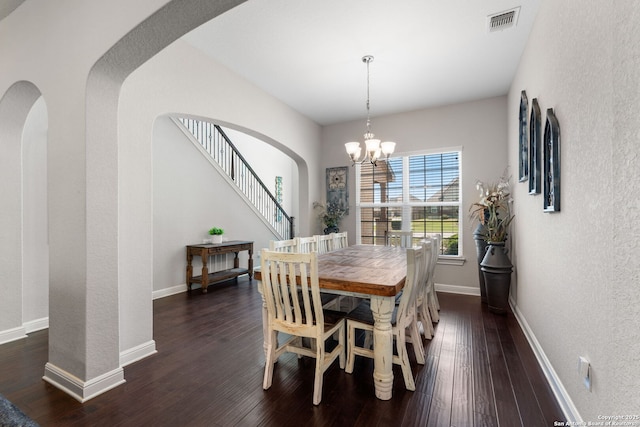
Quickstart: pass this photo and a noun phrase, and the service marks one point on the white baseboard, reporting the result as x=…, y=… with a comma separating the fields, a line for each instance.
x=167, y=292
x=36, y=325
x=456, y=289
x=79, y=389
x=138, y=352
x=12, y=335
x=564, y=400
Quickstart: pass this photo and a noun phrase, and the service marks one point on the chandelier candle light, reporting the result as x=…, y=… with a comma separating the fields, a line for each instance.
x=373, y=147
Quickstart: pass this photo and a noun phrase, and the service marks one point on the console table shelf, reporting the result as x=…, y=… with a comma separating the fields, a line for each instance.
x=204, y=251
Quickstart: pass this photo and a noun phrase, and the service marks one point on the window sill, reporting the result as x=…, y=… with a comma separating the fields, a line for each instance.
x=459, y=261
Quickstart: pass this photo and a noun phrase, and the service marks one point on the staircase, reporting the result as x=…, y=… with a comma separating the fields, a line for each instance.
x=235, y=169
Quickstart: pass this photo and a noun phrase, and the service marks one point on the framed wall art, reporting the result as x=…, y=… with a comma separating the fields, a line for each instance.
x=523, y=168
x=338, y=188
x=551, y=163
x=535, y=138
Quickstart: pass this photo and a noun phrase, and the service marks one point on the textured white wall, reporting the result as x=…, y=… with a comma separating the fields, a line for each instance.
x=15, y=105
x=578, y=270
x=35, y=231
x=479, y=127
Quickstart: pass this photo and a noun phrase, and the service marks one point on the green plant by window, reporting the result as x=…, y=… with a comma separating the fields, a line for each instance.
x=330, y=215
x=452, y=246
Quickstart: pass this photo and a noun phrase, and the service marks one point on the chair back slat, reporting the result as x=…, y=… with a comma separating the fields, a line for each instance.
x=426, y=246
x=289, y=303
x=435, y=251
x=415, y=269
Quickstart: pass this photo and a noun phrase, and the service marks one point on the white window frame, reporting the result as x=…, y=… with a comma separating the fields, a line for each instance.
x=406, y=206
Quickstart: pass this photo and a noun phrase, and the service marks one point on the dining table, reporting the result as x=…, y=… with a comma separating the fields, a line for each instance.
x=377, y=273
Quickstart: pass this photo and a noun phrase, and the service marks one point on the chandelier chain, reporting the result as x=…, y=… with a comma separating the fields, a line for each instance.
x=367, y=59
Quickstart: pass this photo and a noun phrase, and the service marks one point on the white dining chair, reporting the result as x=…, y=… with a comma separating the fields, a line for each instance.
x=340, y=240
x=325, y=243
x=297, y=311
x=334, y=242
x=403, y=239
x=403, y=319
x=288, y=245
x=306, y=245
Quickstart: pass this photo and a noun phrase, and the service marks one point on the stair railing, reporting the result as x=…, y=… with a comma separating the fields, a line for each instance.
x=215, y=142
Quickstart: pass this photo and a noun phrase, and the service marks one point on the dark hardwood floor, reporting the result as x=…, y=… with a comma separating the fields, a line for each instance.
x=208, y=371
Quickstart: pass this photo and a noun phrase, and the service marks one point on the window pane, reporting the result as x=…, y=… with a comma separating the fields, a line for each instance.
x=432, y=206
x=434, y=178
x=375, y=221
x=431, y=220
x=381, y=183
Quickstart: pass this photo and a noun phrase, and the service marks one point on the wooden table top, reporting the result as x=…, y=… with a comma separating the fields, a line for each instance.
x=364, y=269
x=220, y=245
x=367, y=269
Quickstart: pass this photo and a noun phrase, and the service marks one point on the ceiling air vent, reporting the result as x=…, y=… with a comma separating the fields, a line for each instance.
x=503, y=20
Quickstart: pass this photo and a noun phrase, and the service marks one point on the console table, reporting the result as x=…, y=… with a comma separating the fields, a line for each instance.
x=204, y=251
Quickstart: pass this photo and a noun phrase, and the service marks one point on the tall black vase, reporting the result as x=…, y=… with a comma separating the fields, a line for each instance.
x=496, y=268
x=481, y=249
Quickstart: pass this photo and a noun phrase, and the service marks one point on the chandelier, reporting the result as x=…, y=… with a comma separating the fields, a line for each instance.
x=373, y=147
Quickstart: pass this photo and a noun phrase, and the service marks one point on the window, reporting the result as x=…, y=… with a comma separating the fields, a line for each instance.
x=420, y=193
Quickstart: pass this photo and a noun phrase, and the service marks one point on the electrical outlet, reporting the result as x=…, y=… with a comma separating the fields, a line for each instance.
x=584, y=370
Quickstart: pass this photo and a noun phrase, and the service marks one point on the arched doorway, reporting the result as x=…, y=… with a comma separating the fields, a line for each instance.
x=23, y=122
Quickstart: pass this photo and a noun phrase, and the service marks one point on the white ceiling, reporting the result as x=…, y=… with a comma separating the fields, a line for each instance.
x=427, y=53
x=8, y=6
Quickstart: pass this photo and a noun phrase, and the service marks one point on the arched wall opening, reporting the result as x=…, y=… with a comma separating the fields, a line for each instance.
x=16, y=106
x=116, y=239
x=191, y=195
x=179, y=81
x=119, y=149
x=35, y=230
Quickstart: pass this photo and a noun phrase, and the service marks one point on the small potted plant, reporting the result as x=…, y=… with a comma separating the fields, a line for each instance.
x=217, y=234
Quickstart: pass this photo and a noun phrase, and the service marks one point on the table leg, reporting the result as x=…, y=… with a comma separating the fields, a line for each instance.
x=189, y=270
x=236, y=260
x=267, y=337
x=250, y=262
x=382, y=309
x=205, y=271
